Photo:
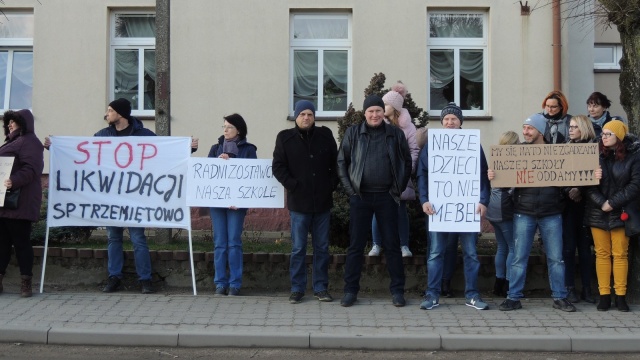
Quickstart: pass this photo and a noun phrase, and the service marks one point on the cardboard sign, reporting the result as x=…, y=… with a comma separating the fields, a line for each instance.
x=243, y=183
x=130, y=181
x=530, y=165
x=454, y=179
x=6, y=163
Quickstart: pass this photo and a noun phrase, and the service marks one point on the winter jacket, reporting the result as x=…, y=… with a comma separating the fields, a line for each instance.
x=304, y=162
x=500, y=205
x=423, y=177
x=620, y=185
x=409, y=129
x=352, y=153
x=27, y=150
x=246, y=150
x=138, y=129
x=562, y=129
x=605, y=118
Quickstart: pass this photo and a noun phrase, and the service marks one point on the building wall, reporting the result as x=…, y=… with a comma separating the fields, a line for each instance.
x=607, y=82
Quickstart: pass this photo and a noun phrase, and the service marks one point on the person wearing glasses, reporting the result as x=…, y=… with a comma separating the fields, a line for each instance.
x=613, y=210
x=575, y=234
x=228, y=221
x=554, y=109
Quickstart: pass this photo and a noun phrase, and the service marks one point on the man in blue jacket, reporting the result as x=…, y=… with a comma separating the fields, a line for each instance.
x=304, y=162
x=451, y=118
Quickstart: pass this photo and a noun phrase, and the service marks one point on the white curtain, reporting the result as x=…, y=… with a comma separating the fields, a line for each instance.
x=335, y=70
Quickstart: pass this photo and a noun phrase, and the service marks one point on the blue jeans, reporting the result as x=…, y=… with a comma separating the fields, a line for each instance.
x=504, y=252
x=363, y=207
x=576, y=236
x=227, y=246
x=436, y=261
x=403, y=226
x=524, y=228
x=140, y=252
x=301, y=225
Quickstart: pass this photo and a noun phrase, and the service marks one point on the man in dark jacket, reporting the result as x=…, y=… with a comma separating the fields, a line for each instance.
x=374, y=165
x=304, y=162
x=537, y=207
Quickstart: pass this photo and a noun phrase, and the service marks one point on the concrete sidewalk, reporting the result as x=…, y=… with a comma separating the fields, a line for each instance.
x=125, y=319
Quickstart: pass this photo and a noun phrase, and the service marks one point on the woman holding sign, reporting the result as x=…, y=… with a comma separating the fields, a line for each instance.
x=613, y=211
x=228, y=222
x=21, y=144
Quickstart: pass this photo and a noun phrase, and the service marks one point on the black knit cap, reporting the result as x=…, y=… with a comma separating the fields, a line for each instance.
x=122, y=106
x=237, y=121
x=372, y=100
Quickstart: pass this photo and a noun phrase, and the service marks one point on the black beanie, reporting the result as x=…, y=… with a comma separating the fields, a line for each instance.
x=237, y=121
x=122, y=106
x=372, y=100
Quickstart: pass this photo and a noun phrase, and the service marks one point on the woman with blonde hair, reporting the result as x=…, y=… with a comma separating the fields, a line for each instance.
x=574, y=234
x=500, y=215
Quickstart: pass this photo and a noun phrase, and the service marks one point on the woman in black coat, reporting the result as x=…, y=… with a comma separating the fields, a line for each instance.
x=25, y=148
x=612, y=208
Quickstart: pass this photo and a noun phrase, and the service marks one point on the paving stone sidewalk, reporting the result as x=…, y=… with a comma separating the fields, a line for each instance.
x=270, y=321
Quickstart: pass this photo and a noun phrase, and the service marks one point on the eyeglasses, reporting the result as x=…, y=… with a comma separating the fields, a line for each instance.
x=572, y=127
x=228, y=127
x=606, y=135
x=552, y=106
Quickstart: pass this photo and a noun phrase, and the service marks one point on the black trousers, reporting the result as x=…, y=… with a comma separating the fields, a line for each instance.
x=16, y=233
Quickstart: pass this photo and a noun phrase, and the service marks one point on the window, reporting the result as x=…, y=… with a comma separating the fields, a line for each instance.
x=321, y=62
x=607, y=56
x=133, y=60
x=457, y=53
x=16, y=60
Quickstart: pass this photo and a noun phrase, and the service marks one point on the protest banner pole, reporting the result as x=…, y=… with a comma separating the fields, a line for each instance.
x=193, y=272
x=44, y=259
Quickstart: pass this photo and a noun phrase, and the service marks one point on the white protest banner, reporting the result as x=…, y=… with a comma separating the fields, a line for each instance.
x=454, y=179
x=130, y=181
x=244, y=183
x=6, y=163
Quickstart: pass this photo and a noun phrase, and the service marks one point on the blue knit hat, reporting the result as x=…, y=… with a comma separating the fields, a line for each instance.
x=303, y=105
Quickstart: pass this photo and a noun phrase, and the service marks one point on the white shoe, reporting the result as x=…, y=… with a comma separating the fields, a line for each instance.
x=405, y=251
x=375, y=250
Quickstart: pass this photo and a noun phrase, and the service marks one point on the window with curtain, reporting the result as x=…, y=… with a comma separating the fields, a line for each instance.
x=457, y=49
x=16, y=60
x=321, y=62
x=133, y=60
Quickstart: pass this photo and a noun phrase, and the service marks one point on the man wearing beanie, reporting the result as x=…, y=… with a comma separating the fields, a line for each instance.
x=537, y=207
x=451, y=118
x=374, y=165
x=304, y=162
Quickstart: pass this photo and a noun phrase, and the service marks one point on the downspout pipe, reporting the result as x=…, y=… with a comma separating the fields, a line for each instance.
x=557, y=47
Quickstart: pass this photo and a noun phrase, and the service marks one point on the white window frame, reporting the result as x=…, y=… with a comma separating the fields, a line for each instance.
x=131, y=43
x=457, y=44
x=12, y=46
x=617, y=56
x=321, y=45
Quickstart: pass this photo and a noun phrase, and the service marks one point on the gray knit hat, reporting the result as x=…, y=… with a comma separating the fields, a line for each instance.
x=454, y=109
x=538, y=121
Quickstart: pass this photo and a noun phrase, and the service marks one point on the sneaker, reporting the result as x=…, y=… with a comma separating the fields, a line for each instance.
x=429, y=302
x=564, y=305
x=375, y=250
x=572, y=295
x=509, y=305
x=234, y=291
x=398, y=300
x=477, y=303
x=405, y=251
x=113, y=283
x=221, y=291
x=147, y=287
x=296, y=297
x=348, y=299
x=323, y=296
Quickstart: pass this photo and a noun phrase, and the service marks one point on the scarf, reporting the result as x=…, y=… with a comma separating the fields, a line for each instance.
x=230, y=147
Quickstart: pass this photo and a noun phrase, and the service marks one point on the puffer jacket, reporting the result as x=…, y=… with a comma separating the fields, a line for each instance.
x=352, y=153
x=500, y=205
x=27, y=151
x=539, y=201
x=620, y=185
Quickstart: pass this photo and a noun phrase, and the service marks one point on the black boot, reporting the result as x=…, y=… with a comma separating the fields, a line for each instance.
x=605, y=302
x=621, y=303
x=587, y=295
x=572, y=295
x=498, y=287
x=446, y=289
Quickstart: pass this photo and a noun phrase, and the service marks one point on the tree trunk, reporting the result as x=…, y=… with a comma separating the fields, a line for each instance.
x=630, y=74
